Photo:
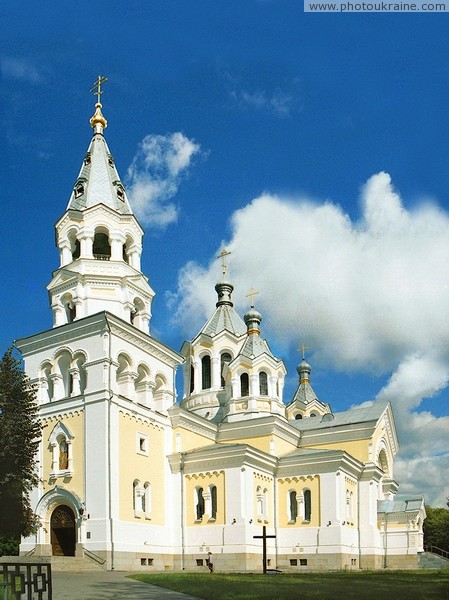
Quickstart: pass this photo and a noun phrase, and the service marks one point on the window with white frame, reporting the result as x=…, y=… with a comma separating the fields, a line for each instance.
x=61, y=448
x=199, y=503
x=142, y=444
x=138, y=498
x=146, y=500
x=293, y=506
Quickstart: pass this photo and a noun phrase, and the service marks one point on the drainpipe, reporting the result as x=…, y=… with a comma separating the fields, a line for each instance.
x=359, y=537
x=111, y=524
x=385, y=540
x=181, y=465
x=275, y=491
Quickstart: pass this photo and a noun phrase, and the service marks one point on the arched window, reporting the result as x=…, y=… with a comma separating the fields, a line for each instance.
x=307, y=505
x=205, y=373
x=293, y=506
x=244, y=384
x=192, y=379
x=136, y=312
x=47, y=383
x=213, y=501
x=263, y=384
x=146, y=500
x=102, y=247
x=199, y=503
x=349, y=509
x=298, y=416
x=63, y=383
x=69, y=308
x=135, y=486
x=138, y=498
x=265, y=503
x=142, y=385
x=125, y=377
x=225, y=358
x=63, y=454
x=259, y=502
x=75, y=247
x=61, y=449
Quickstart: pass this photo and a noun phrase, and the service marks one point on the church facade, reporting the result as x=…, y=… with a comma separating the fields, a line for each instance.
x=132, y=479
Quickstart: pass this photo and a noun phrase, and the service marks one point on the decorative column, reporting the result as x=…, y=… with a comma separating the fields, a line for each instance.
x=216, y=377
x=117, y=240
x=196, y=376
x=87, y=244
x=58, y=314
x=254, y=385
x=65, y=253
x=75, y=374
x=58, y=386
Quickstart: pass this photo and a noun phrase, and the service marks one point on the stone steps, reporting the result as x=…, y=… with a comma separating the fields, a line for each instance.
x=74, y=563
x=428, y=560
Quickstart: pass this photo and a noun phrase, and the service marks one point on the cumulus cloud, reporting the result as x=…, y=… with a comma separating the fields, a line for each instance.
x=370, y=295
x=154, y=176
x=19, y=68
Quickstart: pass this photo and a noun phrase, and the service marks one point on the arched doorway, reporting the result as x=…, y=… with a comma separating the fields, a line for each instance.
x=63, y=531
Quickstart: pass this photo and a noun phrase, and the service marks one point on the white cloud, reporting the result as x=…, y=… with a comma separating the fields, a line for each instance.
x=371, y=296
x=19, y=68
x=155, y=174
x=279, y=103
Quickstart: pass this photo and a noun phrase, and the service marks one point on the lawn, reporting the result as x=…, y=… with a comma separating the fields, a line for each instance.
x=366, y=585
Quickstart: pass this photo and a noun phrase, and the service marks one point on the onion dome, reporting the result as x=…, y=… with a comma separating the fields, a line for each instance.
x=304, y=370
x=253, y=319
x=97, y=121
x=224, y=290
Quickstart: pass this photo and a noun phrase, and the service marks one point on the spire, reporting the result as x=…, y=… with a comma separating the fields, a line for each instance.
x=224, y=288
x=252, y=318
x=254, y=345
x=98, y=181
x=304, y=368
x=97, y=121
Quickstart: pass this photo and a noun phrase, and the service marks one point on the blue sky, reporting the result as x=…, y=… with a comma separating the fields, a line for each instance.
x=314, y=146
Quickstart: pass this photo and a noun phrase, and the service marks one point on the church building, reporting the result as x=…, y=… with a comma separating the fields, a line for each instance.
x=132, y=479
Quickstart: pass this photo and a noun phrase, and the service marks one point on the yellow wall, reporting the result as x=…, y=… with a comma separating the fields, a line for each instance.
x=357, y=448
x=145, y=468
x=281, y=446
x=75, y=425
x=298, y=484
x=189, y=440
x=205, y=480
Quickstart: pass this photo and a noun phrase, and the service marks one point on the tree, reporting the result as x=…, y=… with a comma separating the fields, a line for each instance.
x=20, y=434
x=436, y=528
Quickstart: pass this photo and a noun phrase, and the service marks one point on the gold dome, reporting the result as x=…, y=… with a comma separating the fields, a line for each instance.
x=98, y=118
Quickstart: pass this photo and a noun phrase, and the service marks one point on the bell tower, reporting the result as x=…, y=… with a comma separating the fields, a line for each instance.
x=100, y=242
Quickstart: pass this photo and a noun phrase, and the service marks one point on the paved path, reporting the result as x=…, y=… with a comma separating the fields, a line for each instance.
x=107, y=585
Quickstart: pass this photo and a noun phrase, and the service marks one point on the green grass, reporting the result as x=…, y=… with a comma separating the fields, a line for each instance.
x=364, y=585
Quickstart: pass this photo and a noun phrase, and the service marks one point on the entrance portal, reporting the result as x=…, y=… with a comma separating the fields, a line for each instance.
x=63, y=531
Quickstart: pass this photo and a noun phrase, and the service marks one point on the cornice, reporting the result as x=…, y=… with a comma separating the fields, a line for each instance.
x=192, y=422
x=143, y=341
x=222, y=457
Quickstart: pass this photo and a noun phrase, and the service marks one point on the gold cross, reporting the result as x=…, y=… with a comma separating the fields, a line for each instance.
x=97, y=87
x=303, y=349
x=251, y=295
x=223, y=255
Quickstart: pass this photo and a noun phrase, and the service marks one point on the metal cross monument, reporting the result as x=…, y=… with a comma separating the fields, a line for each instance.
x=264, y=538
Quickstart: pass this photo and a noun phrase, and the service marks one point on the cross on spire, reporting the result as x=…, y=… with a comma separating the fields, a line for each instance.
x=251, y=295
x=223, y=254
x=96, y=90
x=303, y=349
